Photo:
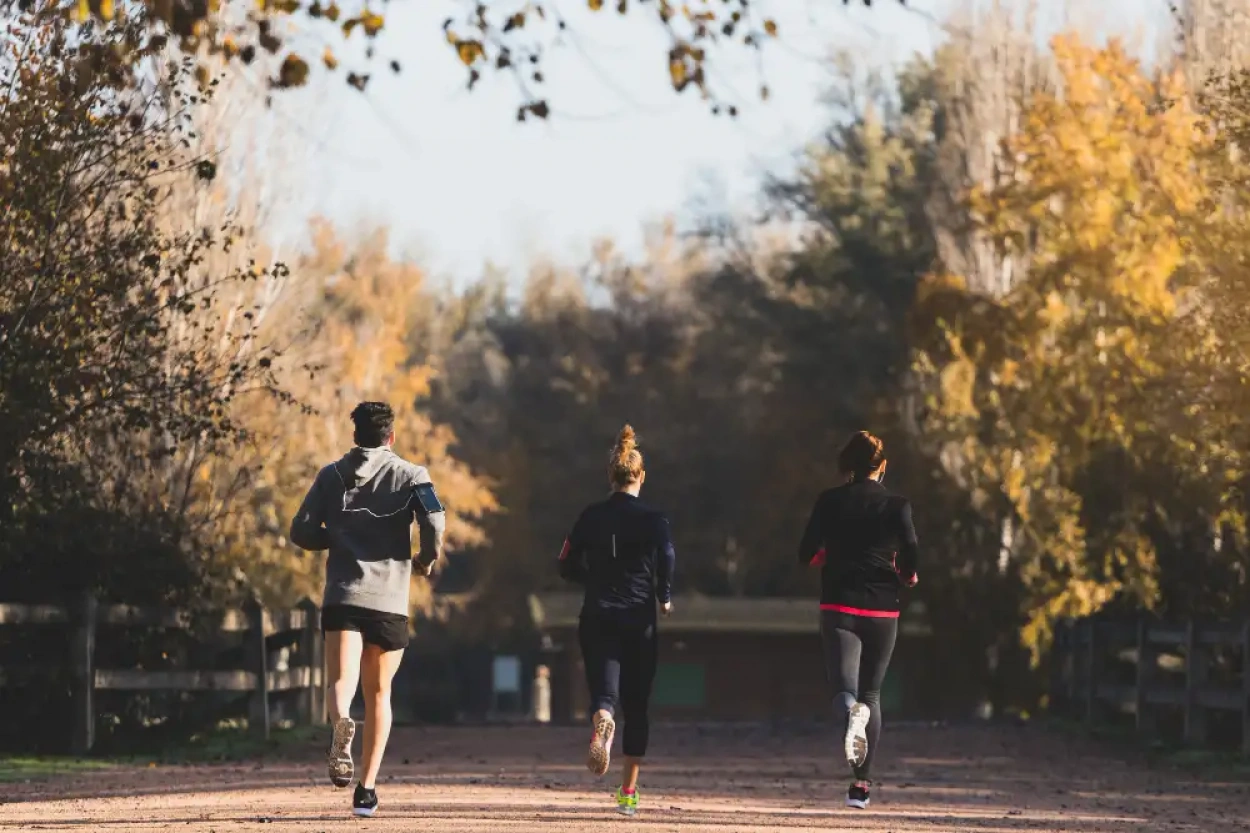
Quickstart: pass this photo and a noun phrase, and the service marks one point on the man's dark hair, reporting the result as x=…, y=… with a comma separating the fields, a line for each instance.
x=374, y=422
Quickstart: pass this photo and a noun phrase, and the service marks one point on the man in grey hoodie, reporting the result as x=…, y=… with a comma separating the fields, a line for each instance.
x=361, y=509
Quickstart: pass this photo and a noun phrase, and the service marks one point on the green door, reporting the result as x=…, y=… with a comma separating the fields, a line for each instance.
x=680, y=685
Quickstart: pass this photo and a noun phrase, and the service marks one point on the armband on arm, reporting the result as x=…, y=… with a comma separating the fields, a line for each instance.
x=432, y=519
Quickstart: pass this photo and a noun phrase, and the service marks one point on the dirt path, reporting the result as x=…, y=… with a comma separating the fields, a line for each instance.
x=502, y=780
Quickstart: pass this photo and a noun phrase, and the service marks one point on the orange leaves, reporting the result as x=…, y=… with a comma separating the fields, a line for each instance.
x=368, y=21
x=469, y=51
x=1103, y=176
x=1101, y=195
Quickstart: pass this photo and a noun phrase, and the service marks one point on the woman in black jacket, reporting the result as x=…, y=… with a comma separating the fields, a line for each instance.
x=620, y=550
x=862, y=538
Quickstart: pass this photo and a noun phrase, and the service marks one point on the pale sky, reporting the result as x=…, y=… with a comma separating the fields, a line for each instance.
x=461, y=183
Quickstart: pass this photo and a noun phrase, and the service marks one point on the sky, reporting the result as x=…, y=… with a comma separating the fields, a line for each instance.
x=460, y=183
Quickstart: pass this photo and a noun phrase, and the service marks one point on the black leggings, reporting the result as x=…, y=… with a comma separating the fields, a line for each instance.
x=857, y=654
x=620, y=667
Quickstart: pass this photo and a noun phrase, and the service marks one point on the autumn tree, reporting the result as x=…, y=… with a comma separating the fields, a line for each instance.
x=95, y=294
x=1059, y=397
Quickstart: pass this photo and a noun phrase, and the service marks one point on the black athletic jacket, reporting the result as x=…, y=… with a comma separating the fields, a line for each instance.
x=862, y=537
x=621, y=551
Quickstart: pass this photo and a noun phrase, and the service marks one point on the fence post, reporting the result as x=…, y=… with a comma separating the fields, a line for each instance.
x=83, y=660
x=1057, y=649
x=1245, y=687
x=257, y=661
x=312, y=701
x=1145, y=677
x=1091, y=670
x=1195, y=678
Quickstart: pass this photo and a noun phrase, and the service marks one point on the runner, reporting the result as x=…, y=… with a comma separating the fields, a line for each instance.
x=361, y=509
x=862, y=538
x=620, y=550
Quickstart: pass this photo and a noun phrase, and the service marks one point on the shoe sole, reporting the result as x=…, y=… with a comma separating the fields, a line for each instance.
x=856, y=741
x=600, y=757
x=857, y=804
x=339, y=758
x=364, y=812
x=626, y=811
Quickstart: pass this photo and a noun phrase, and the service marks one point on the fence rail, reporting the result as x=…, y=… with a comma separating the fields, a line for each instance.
x=1146, y=668
x=264, y=632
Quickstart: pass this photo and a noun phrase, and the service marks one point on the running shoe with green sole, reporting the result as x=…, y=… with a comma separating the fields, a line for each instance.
x=599, y=757
x=626, y=803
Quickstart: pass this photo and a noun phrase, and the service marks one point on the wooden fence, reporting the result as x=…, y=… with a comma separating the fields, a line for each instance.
x=1149, y=669
x=265, y=635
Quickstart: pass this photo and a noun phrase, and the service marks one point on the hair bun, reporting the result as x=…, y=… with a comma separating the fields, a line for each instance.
x=626, y=441
x=862, y=455
x=625, y=460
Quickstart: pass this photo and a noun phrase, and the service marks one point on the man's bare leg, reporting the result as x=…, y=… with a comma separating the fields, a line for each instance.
x=343, y=660
x=378, y=670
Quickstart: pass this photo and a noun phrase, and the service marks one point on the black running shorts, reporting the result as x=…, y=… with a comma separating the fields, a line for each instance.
x=388, y=631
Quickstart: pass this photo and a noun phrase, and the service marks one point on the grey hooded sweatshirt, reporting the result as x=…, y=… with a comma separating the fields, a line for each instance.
x=361, y=509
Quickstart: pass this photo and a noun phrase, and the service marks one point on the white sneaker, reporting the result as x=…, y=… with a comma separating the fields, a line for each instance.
x=600, y=756
x=856, y=740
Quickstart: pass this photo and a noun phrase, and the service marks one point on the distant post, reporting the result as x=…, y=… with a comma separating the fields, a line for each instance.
x=540, y=695
x=1195, y=679
x=312, y=651
x=1245, y=687
x=84, y=675
x=1145, y=679
x=257, y=659
x=1092, y=656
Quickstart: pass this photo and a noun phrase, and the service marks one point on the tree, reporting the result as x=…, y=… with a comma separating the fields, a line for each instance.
x=510, y=37
x=1057, y=398
x=96, y=295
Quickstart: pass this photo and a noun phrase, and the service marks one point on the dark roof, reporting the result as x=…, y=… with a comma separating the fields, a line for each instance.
x=708, y=614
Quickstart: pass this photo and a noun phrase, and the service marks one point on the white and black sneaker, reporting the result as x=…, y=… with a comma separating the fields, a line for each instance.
x=364, y=802
x=339, y=758
x=857, y=796
x=856, y=741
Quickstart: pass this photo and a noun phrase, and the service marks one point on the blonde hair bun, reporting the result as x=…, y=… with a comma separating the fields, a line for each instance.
x=625, y=460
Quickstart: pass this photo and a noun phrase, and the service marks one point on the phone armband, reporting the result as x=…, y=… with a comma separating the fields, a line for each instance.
x=428, y=498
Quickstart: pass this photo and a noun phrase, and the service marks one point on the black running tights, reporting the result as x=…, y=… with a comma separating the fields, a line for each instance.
x=620, y=660
x=857, y=654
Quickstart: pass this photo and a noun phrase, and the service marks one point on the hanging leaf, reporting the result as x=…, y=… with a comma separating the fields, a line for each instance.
x=770, y=28
x=293, y=73
x=329, y=60
x=371, y=23
x=469, y=51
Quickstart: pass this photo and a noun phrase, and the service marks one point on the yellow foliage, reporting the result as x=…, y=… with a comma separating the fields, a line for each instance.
x=1106, y=193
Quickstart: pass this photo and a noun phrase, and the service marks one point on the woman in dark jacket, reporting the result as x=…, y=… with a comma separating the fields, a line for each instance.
x=862, y=538
x=621, y=552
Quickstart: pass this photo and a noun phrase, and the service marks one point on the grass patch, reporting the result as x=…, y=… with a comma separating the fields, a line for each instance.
x=231, y=741
x=41, y=768
x=1214, y=763
x=228, y=741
